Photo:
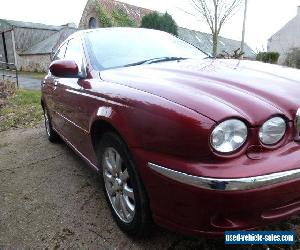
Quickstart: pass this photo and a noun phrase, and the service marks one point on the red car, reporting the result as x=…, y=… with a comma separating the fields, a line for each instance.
x=195, y=144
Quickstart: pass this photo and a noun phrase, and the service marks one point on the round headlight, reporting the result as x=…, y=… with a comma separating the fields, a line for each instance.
x=228, y=136
x=272, y=131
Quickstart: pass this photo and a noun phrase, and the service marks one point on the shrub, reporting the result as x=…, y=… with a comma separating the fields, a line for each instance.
x=163, y=22
x=268, y=57
x=293, y=58
x=237, y=54
x=121, y=19
x=118, y=18
x=104, y=17
x=7, y=89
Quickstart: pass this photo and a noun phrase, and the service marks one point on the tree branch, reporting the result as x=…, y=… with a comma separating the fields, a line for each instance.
x=216, y=13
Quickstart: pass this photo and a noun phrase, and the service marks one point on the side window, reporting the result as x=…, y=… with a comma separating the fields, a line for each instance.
x=75, y=51
x=60, y=54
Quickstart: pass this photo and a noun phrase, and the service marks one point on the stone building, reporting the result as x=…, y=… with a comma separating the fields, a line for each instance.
x=90, y=17
x=286, y=39
x=30, y=45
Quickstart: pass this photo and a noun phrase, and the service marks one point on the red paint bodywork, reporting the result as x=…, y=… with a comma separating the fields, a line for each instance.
x=165, y=113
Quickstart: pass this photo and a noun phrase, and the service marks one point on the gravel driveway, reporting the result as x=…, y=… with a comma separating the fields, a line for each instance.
x=50, y=199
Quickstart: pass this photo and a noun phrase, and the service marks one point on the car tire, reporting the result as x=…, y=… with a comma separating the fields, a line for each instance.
x=122, y=186
x=51, y=134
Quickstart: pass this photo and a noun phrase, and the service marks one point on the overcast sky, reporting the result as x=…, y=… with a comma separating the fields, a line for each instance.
x=265, y=17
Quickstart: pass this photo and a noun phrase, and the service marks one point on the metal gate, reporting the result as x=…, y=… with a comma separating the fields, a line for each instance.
x=9, y=71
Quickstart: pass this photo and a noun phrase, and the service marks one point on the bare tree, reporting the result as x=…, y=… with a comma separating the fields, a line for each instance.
x=216, y=13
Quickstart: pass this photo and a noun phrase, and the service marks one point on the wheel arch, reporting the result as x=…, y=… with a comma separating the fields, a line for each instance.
x=98, y=128
x=115, y=119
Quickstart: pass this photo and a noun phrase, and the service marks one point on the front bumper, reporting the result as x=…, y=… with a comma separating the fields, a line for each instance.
x=181, y=199
x=236, y=184
x=212, y=210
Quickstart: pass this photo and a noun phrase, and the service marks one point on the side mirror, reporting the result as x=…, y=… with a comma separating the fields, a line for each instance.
x=64, y=69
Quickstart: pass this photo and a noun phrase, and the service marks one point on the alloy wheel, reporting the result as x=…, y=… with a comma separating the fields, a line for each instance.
x=118, y=185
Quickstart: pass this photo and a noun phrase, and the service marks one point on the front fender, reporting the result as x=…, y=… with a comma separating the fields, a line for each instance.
x=153, y=123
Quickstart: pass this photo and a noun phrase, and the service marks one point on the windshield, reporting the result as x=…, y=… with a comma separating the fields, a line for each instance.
x=119, y=47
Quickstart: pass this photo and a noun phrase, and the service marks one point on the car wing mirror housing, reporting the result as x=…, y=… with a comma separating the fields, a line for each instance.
x=65, y=69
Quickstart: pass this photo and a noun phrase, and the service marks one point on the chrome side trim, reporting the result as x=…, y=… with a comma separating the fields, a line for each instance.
x=71, y=122
x=237, y=184
x=95, y=97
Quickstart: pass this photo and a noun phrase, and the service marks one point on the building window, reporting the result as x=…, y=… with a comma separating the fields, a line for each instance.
x=92, y=23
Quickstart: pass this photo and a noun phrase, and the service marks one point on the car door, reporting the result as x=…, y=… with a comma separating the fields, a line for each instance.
x=68, y=95
x=49, y=85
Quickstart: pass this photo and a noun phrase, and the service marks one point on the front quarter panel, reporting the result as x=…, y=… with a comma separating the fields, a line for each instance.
x=153, y=123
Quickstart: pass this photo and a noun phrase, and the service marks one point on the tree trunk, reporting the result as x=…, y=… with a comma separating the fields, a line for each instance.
x=215, y=44
x=215, y=33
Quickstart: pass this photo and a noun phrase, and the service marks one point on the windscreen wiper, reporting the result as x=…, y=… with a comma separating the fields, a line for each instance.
x=156, y=60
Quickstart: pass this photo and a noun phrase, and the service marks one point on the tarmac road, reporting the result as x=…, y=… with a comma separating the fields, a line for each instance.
x=26, y=81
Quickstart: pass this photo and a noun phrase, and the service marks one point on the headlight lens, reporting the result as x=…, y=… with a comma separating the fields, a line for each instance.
x=229, y=135
x=272, y=131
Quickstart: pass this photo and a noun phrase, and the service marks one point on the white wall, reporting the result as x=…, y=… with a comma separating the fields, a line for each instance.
x=287, y=38
x=34, y=63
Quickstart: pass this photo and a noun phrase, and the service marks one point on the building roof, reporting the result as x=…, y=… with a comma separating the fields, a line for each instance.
x=204, y=42
x=30, y=25
x=56, y=35
x=51, y=43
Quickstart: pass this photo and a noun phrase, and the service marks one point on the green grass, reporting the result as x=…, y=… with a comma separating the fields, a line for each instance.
x=23, y=109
